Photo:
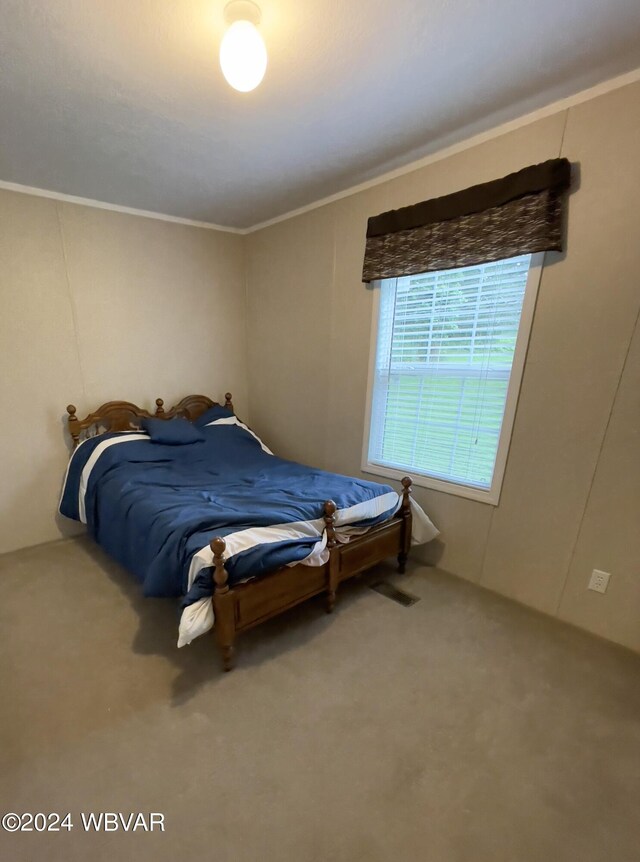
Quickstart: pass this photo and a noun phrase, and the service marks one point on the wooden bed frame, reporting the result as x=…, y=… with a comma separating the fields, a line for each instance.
x=244, y=606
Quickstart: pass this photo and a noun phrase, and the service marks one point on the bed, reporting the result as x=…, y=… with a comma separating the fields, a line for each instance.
x=238, y=534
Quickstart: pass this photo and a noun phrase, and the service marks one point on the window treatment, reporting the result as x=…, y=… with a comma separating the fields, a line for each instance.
x=521, y=213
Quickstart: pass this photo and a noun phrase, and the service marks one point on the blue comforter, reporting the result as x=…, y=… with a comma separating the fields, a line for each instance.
x=154, y=508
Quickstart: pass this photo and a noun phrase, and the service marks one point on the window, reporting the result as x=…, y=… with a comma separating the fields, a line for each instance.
x=448, y=352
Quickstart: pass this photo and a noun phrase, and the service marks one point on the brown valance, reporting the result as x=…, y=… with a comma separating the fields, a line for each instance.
x=517, y=214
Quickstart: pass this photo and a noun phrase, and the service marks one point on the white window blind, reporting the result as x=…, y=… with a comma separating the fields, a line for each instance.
x=445, y=350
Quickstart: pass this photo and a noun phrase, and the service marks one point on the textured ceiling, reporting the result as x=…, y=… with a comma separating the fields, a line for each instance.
x=124, y=102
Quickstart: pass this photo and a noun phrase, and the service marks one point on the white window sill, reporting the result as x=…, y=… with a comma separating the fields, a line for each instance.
x=491, y=496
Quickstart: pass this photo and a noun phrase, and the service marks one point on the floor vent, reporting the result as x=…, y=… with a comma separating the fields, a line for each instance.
x=391, y=592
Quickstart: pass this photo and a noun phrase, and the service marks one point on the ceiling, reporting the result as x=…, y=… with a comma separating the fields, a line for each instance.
x=124, y=102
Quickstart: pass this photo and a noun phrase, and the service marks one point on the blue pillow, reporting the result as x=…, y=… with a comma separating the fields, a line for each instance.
x=212, y=414
x=172, y=432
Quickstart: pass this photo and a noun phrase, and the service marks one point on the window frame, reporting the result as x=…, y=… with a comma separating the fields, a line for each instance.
x=491, y=495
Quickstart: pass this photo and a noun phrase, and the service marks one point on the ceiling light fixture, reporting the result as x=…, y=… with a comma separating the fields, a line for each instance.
x=243, y=55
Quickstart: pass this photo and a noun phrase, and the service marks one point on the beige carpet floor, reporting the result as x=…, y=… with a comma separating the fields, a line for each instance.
x=462, y=728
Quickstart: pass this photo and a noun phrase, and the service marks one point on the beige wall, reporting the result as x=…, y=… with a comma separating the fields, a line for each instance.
x=95, y=306
x=571, y=494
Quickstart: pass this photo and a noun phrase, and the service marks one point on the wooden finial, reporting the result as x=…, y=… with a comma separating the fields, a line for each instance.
x=159, y=406
x=228, y=403
x=73, y=423
x=406, y=492
x=329, y=520
x=218, y=546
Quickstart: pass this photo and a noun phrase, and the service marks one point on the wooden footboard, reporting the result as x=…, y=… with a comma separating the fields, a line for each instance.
x=247, y=605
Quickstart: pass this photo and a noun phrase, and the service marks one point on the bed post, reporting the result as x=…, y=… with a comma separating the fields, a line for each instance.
x=159, y=406
x=73, y=423
x=228, y=403
x=405, y=514
x=332, y=586
x=223, y=605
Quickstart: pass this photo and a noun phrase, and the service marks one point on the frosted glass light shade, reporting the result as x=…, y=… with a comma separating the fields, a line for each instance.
x=243, y=56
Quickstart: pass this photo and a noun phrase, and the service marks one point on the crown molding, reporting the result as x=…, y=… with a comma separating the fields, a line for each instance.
x=436, y=156
x=480, y=138
x=103, y=205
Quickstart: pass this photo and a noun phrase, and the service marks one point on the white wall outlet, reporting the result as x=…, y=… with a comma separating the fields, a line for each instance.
x=599, y=581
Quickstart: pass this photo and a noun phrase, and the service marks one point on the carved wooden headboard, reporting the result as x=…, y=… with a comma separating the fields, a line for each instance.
x=125, y=416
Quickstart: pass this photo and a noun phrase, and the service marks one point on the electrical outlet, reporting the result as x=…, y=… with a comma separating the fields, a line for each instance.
x=599, y=581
